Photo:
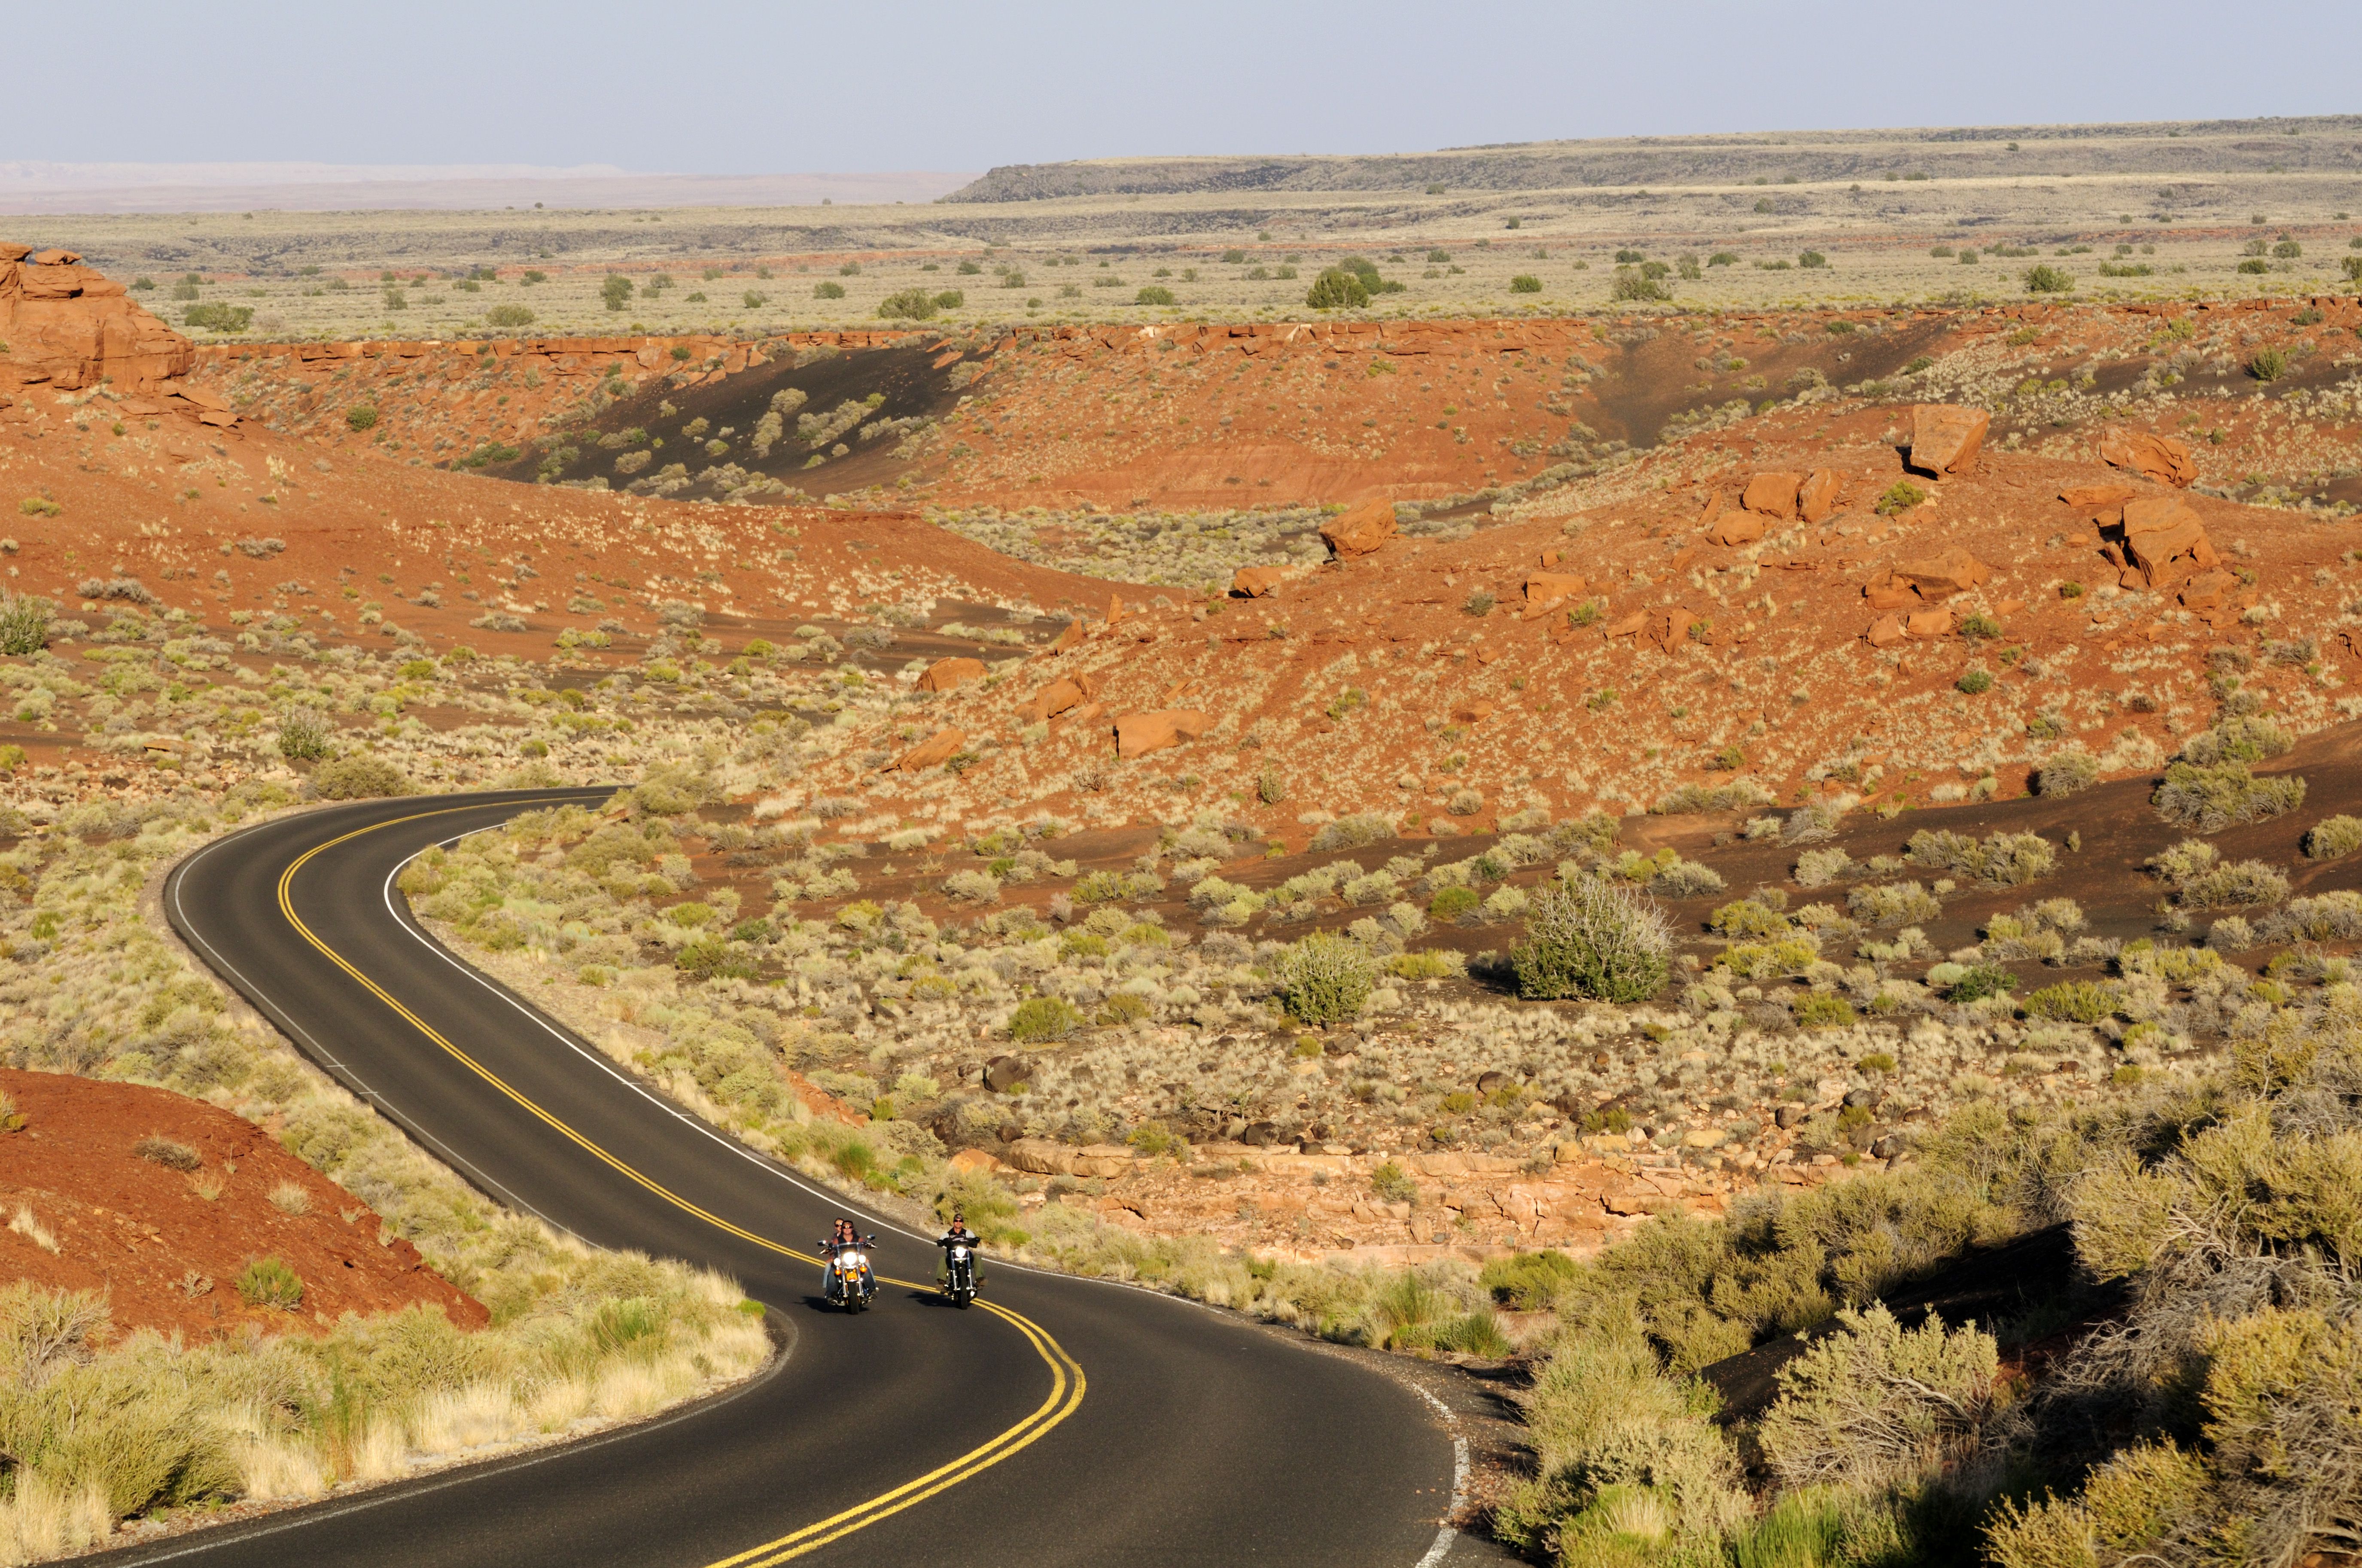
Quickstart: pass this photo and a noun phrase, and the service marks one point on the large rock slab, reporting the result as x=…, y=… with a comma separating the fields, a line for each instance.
x=1945, y=439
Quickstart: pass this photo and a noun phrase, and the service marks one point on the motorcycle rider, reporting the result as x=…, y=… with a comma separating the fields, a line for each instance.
x=840, y=1236
x=959, y=1235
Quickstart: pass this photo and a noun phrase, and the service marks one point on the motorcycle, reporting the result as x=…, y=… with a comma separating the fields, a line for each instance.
x=959, y=1274
x=846, y=1277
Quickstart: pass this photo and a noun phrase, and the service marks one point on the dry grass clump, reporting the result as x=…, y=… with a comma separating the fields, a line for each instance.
x=2001, y=859
x=2066, y=773
x=2203, y=880
x=99, y=1434
x=2210, y=798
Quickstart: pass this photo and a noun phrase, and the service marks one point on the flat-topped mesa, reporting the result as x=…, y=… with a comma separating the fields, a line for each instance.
x=74, y=327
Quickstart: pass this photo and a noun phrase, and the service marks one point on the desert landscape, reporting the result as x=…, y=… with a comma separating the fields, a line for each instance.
x=1751, y=847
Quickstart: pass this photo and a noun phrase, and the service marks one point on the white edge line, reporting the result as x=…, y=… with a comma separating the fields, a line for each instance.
x=1448, y=1534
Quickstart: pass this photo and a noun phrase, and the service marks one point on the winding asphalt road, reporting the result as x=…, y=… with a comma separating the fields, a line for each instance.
x=1077, y=1423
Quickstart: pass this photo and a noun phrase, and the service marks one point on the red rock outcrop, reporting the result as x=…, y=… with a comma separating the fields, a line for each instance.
x=1817, y=497
x=1945, y=439
x=69, y=325
x=949, y=674
x=1546, y=591
x=2159, y=458
x=2164, y=543
x=1908, y=584
x=1137, y=734
x=1255, y=581
x=1773, y=495
x=935, y=750
x=1361, y=530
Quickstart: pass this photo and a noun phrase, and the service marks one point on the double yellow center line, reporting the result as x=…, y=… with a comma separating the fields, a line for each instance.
x=1066, y=1380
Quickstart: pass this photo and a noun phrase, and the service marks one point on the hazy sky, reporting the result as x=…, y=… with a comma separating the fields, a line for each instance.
x=731, y=87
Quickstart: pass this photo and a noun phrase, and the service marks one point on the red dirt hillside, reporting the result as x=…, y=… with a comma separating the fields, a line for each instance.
x=158, y=1202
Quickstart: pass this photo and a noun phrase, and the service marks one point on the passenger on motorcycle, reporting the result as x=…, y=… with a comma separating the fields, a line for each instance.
x=842, y=1236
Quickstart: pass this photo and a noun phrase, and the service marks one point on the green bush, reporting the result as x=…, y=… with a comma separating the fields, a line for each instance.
x=1975, y=682
x=1525, y=284
x=1453, y=902
x=1983, y=980
x=616, y=291
x=1593, y=938
x=360, y=416
x=1527, y=1282
x=1631, y=286
x=1901, y=496
x=268, y=1281
x=1041, y=1019
x=1326, y=978
x=907, y=305
x=2268, y=363
x=1824, y=1010
x=950, y=299
x=2071, y=1001
x=1153, y=294
x=508, y=315
x=2048, y=279
x=359, y=776
x=828, y=290
x=1336, y=289
x=2000, y=859
x=218, y=317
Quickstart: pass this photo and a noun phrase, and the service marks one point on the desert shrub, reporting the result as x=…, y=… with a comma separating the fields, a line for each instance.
x=359, y=776
x=1526, y=1282
x=1979, y=981
x=1746, y=918
x=2001, y=860
x=1823, y=1009
x=2203, y=880
x=1326, y=978
x=1593, y=938
x=1685, y=879
x=2133, y=1500
x=2066, y=773
x=1899, y=497
x=2048, y=280
x=1041, y=1019
x=2333, y=836
x=2211, y=799
x=304, y=734
x=2334, y=916
x=1631, y=286
x=1768, y=960
x=24, y=623
x=1893, y=904
x=616, y=291
x=1819, y=867
x=268, y=1281
x=360, y=416
x=907, y=305
x=1626, y=1458
x=2071, y=1001
x=168, y=1153
x=829, y=289
x=509, y=315
x=1153, y=294
x=2246, y=737
x=1525, y=284
x=1336, y=289
x=972, y=887
x=1453, y=902
x=1813, y=823
x=1351, y=832
x=1876, y=1403
x=2268, y=363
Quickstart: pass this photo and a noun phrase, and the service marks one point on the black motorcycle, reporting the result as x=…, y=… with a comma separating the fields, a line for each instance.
x=846, y=1277
x=959, y=1269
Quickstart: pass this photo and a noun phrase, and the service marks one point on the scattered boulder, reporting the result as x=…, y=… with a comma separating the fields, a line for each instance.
x=1627, y=625
x=1256, y=581
x=2101, y=503
x=932, y=752
x=1669, y=628
x=1945, y=439
x=69, y=325
x=1005, y=1073
x=1260, y=1134
x=2208, y=591
x=1927, y=625
x=1818, y=496
x=1137, y=734
x=1546, y=591
x=1491, y=1083
x=948, y=674
x=1359, y=530
x=2165, y=541
x=1886, y=632
x=1736, y=528
x=1711, y=510
x=1773, y=495
x=2159, y=458
x=1054, y=699
x=1071, y=637
x=1929, y=580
